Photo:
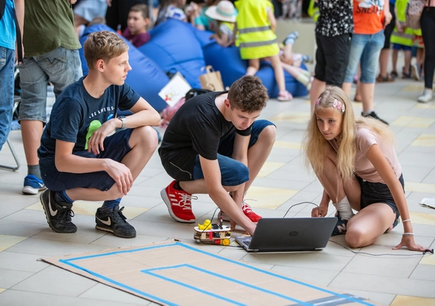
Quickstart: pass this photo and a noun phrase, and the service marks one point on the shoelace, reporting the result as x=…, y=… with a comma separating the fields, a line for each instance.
x=66, y=213
x=186, y=201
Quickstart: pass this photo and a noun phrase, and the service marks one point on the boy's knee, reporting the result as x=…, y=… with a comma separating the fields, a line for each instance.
x=147, y=136
x=269, y=133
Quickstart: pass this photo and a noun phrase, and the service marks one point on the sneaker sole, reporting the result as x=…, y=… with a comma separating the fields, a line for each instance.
x=109, y=230
x=29, y=190
x=47, y=214
x=168, y=205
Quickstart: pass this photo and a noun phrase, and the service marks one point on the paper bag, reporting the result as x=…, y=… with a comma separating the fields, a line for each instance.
x=211, y=80
x=176, y=89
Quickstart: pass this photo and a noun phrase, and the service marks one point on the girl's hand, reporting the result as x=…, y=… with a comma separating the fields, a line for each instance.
x=320, y=211
x=408, y=241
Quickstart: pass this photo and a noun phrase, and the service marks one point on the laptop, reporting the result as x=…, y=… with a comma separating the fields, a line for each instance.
x=289, y=234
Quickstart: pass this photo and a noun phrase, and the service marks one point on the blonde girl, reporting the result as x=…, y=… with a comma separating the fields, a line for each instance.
x=355, y=161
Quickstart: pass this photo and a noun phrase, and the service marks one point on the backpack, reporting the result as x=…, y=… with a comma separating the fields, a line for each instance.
x=413, y=13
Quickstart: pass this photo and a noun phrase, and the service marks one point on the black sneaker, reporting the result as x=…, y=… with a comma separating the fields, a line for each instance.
x=375, y=116
x=58, y=214
x=341, y=226
x=113, y=220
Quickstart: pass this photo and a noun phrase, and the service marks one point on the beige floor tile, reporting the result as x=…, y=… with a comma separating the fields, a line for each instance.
x=7, y=241
x=270, y=198
x=268, y=168
x=428, y=260
x=402, y=300
x=292, y=117
x=1, y=290
x=287, y=145
x=413, y=122
x=424, y=140
x=420, y=187
x=422, y=218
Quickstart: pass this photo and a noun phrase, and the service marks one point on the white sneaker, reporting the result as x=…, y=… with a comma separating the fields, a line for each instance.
x=426, y=96
x=414, y=72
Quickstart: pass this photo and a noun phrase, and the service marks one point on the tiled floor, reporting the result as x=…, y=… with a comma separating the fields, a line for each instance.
x=377, y=272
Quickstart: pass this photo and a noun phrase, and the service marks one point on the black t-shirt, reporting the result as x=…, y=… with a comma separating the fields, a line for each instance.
x=196, y=128
x=76, y=115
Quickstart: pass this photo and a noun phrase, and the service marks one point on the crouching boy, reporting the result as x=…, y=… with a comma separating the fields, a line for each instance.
x=80, y=159
x=214, y=145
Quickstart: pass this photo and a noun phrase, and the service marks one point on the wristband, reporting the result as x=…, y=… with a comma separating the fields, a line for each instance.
x=407, y=220
x=408, y=234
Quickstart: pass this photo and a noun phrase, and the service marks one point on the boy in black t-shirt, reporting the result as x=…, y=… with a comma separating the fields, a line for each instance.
x=78, y=156
x=215, y=145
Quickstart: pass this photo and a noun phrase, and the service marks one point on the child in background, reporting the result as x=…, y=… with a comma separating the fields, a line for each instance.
x=225, y=15
x=291, y=62
x=254, y=16
x=401, y=38
x=137, y=23
x=171, y=9
x=198, y=18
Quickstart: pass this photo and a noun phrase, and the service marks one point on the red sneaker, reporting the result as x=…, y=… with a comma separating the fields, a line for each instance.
x=178, y=203
x=247, y=210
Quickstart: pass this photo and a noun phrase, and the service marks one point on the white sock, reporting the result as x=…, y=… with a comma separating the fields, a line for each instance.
x=343, y=207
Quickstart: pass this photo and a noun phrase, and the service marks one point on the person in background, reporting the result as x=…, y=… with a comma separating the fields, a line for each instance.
x=8, y=45
x=224, y=13
x=427, y=22
x=334, y=28
x=255, y=36
x=370, y=17
x=51, y=55
x=137, y=23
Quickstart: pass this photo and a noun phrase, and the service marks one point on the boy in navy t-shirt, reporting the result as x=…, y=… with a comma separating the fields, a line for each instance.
x=79, y=157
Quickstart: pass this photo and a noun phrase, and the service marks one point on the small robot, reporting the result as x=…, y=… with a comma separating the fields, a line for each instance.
x=212, y=233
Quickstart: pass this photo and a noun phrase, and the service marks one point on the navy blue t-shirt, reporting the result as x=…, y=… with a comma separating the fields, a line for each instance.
x=76, y=115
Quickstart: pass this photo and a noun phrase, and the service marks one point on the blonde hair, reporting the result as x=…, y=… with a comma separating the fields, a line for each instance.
x=316, y=145
x=103, y=45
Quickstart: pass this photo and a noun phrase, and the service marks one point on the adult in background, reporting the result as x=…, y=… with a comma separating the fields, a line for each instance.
x=50, y=55
x=427, y=22
x=334, y=29
x=7, y=47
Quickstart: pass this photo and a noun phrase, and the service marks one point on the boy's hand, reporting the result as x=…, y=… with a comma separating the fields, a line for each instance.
x=96, y=141
x=319, y=211
x=121, y=174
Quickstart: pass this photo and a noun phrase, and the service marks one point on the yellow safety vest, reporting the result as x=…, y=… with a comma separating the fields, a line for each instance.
x=407, y=36
x=313, y=10
x=255, y=38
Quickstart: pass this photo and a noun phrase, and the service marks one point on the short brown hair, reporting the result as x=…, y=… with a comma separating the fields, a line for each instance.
x=248, y=94
x=103, y=45
x=141, y=8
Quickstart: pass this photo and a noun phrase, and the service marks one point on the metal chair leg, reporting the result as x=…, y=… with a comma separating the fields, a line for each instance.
x=17, y=162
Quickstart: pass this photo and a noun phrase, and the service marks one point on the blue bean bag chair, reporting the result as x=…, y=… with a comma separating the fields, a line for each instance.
x=146, y=77
x=232, y=67
x=174, y=47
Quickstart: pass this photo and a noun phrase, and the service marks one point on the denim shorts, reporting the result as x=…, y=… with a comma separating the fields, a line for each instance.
x=233, y=172
x=365, y=50
x=378, y=193
x=115, y=147
x=7, y=92
x=61, y=67
x=331, y=58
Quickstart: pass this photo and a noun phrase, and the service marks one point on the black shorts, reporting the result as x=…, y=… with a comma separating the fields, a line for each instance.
x=378, y=193
x=332, y=57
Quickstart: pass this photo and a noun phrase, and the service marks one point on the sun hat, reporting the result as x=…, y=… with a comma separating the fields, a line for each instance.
x=223, y=11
